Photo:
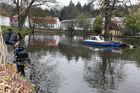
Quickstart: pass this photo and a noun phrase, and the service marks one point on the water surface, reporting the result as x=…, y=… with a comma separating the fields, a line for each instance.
x=60, y=64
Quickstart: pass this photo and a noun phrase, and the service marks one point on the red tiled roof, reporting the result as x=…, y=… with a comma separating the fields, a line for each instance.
x=4, y=13
x=114, y=26
x=48, y=19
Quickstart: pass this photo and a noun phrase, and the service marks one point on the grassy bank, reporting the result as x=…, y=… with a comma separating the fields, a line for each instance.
x=24, y=31
x=51, y=31
x=12, y=82
x=133, y=37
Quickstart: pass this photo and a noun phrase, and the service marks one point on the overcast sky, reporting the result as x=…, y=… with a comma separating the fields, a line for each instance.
x=66, y=2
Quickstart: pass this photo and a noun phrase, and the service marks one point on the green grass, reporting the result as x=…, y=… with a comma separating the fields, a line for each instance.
x=51, y=31
x=24, y=30
x=134, y=37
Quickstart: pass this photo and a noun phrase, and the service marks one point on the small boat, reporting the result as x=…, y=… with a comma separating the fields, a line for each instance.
x=102, y=47
x=99, y=41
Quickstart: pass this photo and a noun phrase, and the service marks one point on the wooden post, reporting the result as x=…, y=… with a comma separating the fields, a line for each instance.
x=3, y=51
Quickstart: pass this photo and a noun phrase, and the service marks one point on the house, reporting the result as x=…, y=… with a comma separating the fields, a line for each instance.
x=115, y=27
x=14, y=22
x=56, y=25
x=26, y=24
x=47, y=22
x=65, y=24
x=4, y=18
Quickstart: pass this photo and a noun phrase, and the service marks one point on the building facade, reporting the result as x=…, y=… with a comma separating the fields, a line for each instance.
x=46, y=22
x=4, y=18
x=87, y=23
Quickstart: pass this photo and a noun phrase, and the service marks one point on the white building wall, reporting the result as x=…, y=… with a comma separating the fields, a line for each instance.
x=65, y=23
x=26, y=22
x=5, y=21
x=57, y=24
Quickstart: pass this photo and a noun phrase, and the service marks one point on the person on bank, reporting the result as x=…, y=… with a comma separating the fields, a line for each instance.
x=12, y=38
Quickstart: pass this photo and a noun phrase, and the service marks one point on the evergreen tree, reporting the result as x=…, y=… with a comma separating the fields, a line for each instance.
x=52, y=12
x=64, y=13
x=79, y=7
x=71, y=3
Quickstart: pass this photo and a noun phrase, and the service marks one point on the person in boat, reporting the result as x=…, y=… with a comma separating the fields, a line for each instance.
x=12, y=38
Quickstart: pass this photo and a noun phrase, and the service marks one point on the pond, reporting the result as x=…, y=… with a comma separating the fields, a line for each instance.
x=60, y=64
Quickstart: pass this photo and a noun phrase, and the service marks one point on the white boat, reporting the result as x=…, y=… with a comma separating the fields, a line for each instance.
x=100, y=41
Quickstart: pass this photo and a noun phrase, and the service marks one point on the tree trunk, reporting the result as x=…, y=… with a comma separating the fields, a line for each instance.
x=107, y=22
x=22, y=21
x=3, y=51
x=107, y=16
x=18, y=9
x=30, y=24
x=33, y=28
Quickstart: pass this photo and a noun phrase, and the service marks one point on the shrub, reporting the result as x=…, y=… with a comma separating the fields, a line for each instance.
x=24, y=30
x=97, y=24
x=132, y=22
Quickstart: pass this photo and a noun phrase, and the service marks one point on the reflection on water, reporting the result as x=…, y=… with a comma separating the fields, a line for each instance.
x=60, y=64
x=106, y=73
x=44, y=74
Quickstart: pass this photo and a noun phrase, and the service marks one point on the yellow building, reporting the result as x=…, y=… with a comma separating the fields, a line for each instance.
x=114, y=29
x=113, y=32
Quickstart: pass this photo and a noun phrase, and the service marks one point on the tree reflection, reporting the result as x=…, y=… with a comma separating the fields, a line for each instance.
x=44, y=75
x=68, y=46
x=74, y=51
x=105, y=74
x=43, y=72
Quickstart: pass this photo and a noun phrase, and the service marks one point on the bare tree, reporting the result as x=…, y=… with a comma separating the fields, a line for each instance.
x=84, y=21
x=71, y=25
x=23, y=7
x=108, y=9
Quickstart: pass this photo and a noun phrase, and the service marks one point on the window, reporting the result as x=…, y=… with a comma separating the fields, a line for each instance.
x=93, y=38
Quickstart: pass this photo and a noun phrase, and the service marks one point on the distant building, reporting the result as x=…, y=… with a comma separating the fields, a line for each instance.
x=27, y=22
x=56, y=25
x=47, y=22
x=115, y=27
x=14, y=21
x=66, y=23
x=4, y=18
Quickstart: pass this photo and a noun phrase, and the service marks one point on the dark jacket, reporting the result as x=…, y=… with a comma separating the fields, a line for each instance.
x=10, y=38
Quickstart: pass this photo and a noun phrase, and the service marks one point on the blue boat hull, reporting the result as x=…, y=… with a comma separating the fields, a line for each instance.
x=108, y=43
x=102, y=47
